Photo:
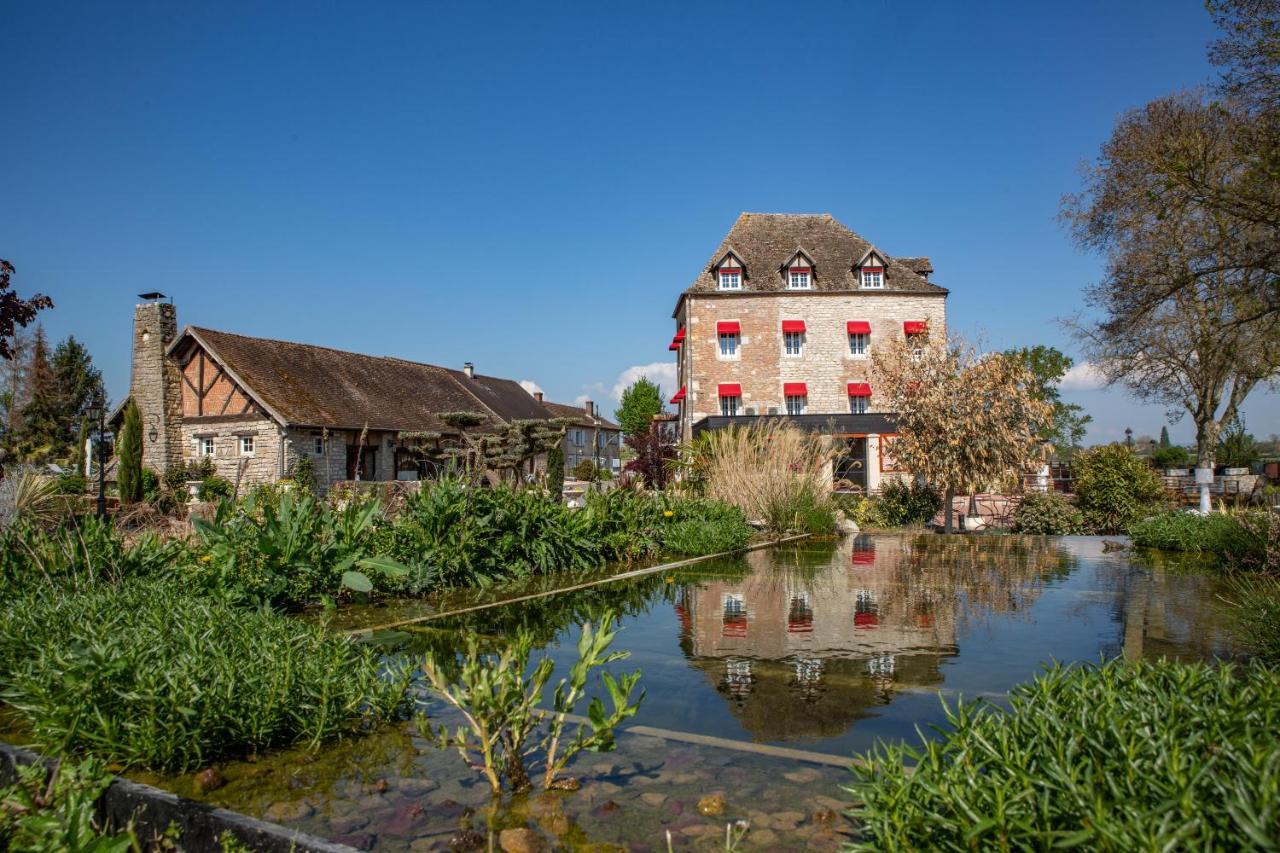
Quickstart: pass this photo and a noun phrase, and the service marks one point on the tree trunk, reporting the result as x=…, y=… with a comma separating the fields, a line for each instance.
x=1206, y=444
x=948, y=511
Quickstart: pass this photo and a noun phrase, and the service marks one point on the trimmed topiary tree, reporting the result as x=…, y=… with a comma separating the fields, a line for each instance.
x=129, y=472
x=555, y=471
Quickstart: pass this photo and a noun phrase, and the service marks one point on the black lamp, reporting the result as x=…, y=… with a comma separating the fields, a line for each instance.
x=97, y=413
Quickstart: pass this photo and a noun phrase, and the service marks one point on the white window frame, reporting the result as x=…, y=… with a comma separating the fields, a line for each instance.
x=729, y=344
x=793, y=341
x=797, y=403
x=859, y=344
x=872, y=280
x=729, y=406
x=730, y=280
x=857, y=405
x=246, y=445
x=206, y=446
x=797, y=280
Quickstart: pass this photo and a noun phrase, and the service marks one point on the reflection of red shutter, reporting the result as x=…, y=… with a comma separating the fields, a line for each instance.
x=800, y=626
x=864, y=556
x=686, y=622
x=865, y=620
x=734, y=626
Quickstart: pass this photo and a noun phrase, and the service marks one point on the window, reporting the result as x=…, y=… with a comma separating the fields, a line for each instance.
x=799, y=280
x=858, y=343
x=579, y=437
x=794, y=342
x=206, y=447
x=730, y=279
x=729, y=406
x=246, y=445
x=729, y=344
x=857, y=405
x=873, y=279
x=795, y=404
x=319, y=445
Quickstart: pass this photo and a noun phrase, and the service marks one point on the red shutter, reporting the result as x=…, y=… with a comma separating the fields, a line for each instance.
x=728, y=327
x=730, y=389
x=795, y=389
x=859, y=327
x=793, y=326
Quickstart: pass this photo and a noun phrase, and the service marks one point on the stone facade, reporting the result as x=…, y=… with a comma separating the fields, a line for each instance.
x=761, y=366
x=155, y=384
x=226, y=437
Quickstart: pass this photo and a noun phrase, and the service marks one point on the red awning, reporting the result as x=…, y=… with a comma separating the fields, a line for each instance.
x=865, y=620
x=859, y=389
x=793, y=325
x=859, y=327
x=732, y=270
x=800, y=269
x=730, y=389
x=679, y=395
x=873, y=269
x=728, y=327
x=673, y=345
x=865, y=556
x=794, y=389
x=915, y=327
x=680, y=335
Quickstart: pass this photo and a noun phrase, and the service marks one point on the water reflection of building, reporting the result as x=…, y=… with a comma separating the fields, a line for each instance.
x=804, y=651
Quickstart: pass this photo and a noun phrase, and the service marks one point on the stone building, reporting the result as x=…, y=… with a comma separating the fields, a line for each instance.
x=781, y=324
x=256, y=406
x=589, y=438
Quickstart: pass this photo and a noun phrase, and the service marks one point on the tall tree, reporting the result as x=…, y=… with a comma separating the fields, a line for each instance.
x=964, y=420
x=79, y=382
x=15, y=312
x=37, y=439
x=1206, y=337
x=655, y=454
x=1164, y=437
x=1048, y=366
x=641, y=400
x=129, y=469
x=14, y=390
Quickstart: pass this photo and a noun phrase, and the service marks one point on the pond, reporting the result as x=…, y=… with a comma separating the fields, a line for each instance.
x=764, y=674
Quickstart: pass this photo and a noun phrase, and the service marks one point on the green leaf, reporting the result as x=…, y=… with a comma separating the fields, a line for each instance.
x=389, y=567
x=357, y=581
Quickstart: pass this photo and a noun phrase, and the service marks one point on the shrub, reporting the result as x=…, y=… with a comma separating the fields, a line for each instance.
x=1115, y=488
x=905, y=502
x=585, y=470
x=144, y=673
x=304, y=474
x=1121, y=756
x=1170, y=457
x=803, y=508
x=1047, y=514
x=150, y=486
x=555, y=471
x=1217, y=532
x=705, y=527
x=214, y=488
x=57, y=810
x=72, y=483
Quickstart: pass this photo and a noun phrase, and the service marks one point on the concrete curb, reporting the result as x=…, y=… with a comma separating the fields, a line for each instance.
x=153, y=811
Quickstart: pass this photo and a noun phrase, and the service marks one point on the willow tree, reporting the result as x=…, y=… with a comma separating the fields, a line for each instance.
x=964, y=420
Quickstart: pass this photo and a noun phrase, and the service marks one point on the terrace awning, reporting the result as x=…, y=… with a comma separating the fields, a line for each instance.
x=795, y=389
x=728, y=327
x=730, y=389
x=679, y=395
x=859, y=389
x=915, y=327
x=793, y=325
x=673, y=345
x=679, y=335
x=859, y=327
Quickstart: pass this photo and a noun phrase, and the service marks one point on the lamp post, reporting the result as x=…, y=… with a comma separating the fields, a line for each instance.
x=97, y=413
x=1128, y=438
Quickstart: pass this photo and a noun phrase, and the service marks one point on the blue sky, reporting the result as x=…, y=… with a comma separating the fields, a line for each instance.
x=530, y=186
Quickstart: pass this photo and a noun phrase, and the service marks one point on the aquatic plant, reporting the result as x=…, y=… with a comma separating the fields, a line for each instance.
x=1119, y=756
x=1253, y=602
x=144, y=672
x=81, y=551
x=500, y=698
x=56, y=810
x=1047, y=514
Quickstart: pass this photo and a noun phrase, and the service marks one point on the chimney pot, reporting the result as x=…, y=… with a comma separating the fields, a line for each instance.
x=590, y=408
x=469, y=369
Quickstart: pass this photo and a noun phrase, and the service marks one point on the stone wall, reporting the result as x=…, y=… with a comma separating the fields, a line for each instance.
x=761, y=366
x=262, y=466
x=155, y=384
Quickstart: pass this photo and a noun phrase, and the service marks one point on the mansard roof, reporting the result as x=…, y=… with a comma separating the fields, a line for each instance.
x=766, y=241
x=308, y=385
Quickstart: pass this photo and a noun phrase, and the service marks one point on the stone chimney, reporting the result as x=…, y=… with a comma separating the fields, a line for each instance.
x=590, y=408
x=156, y=384
x=470, y=370
x=537, y=395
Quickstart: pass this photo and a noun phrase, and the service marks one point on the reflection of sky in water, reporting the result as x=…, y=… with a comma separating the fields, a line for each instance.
x=830, y=645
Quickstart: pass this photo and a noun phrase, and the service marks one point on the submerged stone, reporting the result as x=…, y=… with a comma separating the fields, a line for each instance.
x=208, y=780
x=521, y=840
x=711, y=805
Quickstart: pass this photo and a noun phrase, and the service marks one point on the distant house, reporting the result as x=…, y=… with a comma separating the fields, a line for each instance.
x=589, y=438
x=256, y=406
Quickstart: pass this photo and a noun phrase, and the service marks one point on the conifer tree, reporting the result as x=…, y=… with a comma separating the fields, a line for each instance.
x=129, y=472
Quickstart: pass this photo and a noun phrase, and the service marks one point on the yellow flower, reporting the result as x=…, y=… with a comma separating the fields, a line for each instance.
x=671, y=580
x=206, y=558
x=668, y=513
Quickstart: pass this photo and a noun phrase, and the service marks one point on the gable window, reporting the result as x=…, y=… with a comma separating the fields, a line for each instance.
x=729, y=334
x=798, y=279
x=730, y=279
x=246, y=445
x=873, y=278
x=206, y=447
x=730, y=396
x=797, y=397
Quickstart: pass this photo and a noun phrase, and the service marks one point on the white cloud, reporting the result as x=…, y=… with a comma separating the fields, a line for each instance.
x=663, y=373
x=531, y=386
x=1084, y=376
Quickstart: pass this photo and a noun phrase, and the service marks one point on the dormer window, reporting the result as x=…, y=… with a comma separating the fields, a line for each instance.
x=730, y=278
x=798, y=278
x=873, y=278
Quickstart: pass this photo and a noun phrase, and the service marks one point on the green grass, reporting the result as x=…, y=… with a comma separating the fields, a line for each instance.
x=1116, y=757
x=145, y=673
x=1218, y=533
